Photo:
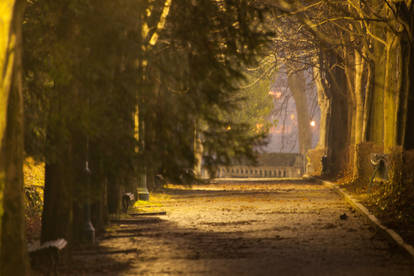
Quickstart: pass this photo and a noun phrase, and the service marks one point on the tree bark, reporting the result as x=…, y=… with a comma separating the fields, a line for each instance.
x=57, y=213
x=368, y=101
x=359, y=92
x=338, y=132
x=375, y=127
x=408, y=112
x=314, y=164
x=391, y=92
x=297, y=85
x=114, y=199
x=324, y=105
x=13, y=254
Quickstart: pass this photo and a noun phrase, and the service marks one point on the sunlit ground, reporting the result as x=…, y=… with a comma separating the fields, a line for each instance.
x=155, y=204
x=253, y=228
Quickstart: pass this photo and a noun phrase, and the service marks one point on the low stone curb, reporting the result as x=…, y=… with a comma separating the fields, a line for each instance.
x=257, y=179
x=362, y=209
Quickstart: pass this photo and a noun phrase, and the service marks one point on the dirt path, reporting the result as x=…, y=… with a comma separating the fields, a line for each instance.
x=247, y=229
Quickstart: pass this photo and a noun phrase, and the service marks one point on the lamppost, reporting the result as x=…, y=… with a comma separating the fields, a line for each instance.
x=88, y=229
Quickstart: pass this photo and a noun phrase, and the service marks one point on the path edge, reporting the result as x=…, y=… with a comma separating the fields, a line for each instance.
x=363, y=210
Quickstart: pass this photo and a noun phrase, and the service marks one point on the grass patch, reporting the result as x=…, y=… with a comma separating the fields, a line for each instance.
x=156, y=203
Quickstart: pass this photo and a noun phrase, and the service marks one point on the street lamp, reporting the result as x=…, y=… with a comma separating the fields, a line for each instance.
x=312, y=123
x=89, y=230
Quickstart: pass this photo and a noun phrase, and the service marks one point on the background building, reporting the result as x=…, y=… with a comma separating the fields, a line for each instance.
x=269, y=165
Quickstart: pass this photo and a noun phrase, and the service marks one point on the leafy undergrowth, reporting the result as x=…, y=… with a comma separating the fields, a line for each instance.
x=34, y=178
x=391, y=203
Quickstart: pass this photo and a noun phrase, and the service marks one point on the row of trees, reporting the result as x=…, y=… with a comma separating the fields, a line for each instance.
x=362, y=59
x=114, y=92
x=125, y=90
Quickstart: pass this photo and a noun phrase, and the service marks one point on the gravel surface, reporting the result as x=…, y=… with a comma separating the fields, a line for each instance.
x=254, y=228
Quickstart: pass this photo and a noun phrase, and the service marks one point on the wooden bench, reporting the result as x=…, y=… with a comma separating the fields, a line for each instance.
x=45, y=257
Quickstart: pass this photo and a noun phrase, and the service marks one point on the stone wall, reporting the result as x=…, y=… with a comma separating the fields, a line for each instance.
x=313, y=161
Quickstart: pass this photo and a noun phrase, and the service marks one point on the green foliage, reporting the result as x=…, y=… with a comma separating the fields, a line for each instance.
x=88, y=67
x=255, y=105
x=190, y=83
x=192, y=86
x=81, y=79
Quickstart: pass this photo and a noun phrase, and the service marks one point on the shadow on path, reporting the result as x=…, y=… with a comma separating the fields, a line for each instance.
x=275, y=235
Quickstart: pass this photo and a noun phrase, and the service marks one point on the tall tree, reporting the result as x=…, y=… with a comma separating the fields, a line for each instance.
x=81, y=102
x=195, y=76
x=297, y=85
x=378, y=85
x=13, y=256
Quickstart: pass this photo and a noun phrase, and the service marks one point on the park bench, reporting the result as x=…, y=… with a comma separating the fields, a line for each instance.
x=45, y=257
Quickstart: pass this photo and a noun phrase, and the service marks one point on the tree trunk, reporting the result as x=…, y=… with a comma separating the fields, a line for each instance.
x=114, y=200
x=13, y=254
x=392, y=88
x=314, y=157
x=359, y=110
x=64, y=192
x=368, y=101
x=99, y=194
x=408, y=112
x=405, y=136
x=337, y=120
x=351, y=70
x=334, y=136
x=375, y=131
x=198, y=152
x=297, y=85
x=57, y=216
x=324, y=106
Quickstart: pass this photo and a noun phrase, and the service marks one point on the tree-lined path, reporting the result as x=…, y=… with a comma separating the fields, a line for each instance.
x=116, y=97
x=253, y=228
